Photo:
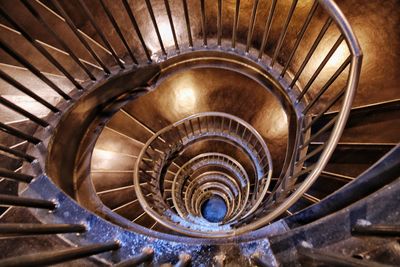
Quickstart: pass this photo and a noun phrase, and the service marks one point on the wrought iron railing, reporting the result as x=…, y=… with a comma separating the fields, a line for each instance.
x=307, y=104
x=161, y=150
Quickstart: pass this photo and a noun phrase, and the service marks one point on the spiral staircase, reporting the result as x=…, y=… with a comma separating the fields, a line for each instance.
x=199, y=133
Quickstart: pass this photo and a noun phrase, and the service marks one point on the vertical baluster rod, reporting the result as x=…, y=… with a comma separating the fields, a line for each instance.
x=327, y=107
x=267, y=29
x=300, y=36
x=187, y=20
x=100, y=33
x=284, y=32
x=23, y=112
x=320, y=67
x=20, y=177
x=17, y=153
x=27, y=91
x=42, y=50
x=72, y=26
x=235, y=24
x=328, y=84
x=203, y=21
x=10, y=130
x=321, y=131
x=36, y=14
x=219, y=23
x=33, y=69
x=136, y=27
x=10, y=200
x=118, y=31
x=171, y=23
x=251, y=25
x=311, y=51
x=153, y=19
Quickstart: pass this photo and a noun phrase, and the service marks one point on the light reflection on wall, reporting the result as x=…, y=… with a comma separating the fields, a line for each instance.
x=102, y=159
x=185, y=99
x=166, y=35
x=340, y=55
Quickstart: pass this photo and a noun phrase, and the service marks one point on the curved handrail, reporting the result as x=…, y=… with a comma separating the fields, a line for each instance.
x=326, y=151
x=264, y=171
x=204, y=160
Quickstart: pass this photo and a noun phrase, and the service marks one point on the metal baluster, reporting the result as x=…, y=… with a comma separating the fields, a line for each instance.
x=191, y=127
x=100, y=33
x=376, y=230
x=267, y=29
x=237, y=128
x=284, y=32
x=310, y=198
x=199, y=122
x=311, y=154
x=23, y=112
x=10, y=200
x=42, y=50
x=15, y=176
x=235, y=24
x=118, y=30
x=300, y=36
x=171, y=23
x=146, y=255
x=328, y=84
x=33, y=11
x=39, y=229
x=189, y=31
x=327, y=107
x=311, y=51
x=179, y=134
x=19, y=134
x=33, y=69
x=17, y=153
x=320, y=67
x=321, y=131
x=136, y=27
x=251, y=25
x=244, y=131
x=219, y=22
x=186, y=132
x=153, y=19
x=27, y=91
x=203, y=21
x=72, y=26
x=58, y=256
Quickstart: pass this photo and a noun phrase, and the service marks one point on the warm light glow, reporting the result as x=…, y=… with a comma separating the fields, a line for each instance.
x=166, y=35
x=102, y=159
x=185, y=99
x=340, y=55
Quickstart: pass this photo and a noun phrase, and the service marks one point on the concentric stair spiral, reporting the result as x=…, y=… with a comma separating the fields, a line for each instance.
x=195, y=133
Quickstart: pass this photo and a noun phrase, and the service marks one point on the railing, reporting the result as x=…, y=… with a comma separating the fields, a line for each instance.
x=307, y=102
x=239, y=182
x=161, y=152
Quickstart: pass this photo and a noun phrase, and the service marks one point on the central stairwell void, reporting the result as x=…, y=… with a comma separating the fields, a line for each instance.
x=190, y=132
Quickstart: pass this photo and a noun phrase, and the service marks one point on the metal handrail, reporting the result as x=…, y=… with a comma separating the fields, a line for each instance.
x=209, y=125
x=204, y=160
x=283, y=201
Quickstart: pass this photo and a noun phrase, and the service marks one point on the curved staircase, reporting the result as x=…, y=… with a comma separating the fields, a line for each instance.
x=203, y=133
